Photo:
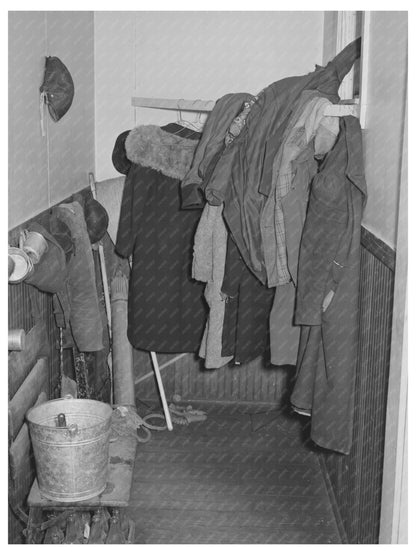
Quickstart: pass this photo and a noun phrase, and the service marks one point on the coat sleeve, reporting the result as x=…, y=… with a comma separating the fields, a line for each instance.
x=130, y=212
x=324, y=235
x=356, y=195
x=344, y=257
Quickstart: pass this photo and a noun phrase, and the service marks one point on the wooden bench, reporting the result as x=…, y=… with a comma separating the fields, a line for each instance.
x=122, y=454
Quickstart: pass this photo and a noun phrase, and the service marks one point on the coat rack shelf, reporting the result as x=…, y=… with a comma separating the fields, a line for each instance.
x=173, y=104
x=348, y=108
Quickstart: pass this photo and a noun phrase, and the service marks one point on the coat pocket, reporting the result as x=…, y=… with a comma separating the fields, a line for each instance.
x=328, y=196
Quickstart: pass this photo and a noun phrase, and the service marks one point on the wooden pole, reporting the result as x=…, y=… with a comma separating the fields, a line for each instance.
x=161, y=390
x=106, y=293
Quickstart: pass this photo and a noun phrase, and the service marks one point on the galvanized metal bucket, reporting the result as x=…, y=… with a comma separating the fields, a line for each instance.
x=71, y=461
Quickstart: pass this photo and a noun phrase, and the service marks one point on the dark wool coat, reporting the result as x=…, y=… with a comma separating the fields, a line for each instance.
x=329, y=264
x=248, y=303
x=166, y=309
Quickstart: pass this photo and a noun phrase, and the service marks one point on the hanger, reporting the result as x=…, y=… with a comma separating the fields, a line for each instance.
x=199, y=122
x=196, y=125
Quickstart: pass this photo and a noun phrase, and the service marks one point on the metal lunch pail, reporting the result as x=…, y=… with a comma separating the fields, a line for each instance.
x=71, y=461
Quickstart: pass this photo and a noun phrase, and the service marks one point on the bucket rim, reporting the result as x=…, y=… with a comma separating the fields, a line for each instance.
x=66, y=398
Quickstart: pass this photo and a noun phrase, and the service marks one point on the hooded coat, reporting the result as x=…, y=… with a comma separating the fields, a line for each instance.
x=166, y=309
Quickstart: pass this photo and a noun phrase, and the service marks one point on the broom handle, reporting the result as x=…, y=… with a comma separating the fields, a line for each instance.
x=105, y=288
x=106, y=292
x=108, y=311
x=161, y=390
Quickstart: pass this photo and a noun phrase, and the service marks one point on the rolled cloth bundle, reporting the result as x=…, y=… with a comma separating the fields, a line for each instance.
x=122, y=350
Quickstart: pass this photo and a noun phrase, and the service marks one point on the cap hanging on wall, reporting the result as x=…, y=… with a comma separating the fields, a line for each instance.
x=96, y=217
x=57, y=89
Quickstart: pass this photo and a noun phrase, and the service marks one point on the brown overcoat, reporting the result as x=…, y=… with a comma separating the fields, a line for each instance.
x=327, y=296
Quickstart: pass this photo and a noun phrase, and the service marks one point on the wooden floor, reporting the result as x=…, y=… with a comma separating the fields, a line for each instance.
x=237, y=478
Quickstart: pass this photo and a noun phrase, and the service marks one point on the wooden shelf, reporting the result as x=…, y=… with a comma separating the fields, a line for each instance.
x=173, y=104
x=346, y=108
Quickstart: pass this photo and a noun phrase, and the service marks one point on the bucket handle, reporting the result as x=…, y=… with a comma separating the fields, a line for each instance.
x=72, y=430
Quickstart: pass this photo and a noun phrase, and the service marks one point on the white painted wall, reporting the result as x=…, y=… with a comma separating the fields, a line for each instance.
x=44, y=170
x=193, y=55
x=114, y=54
x=383, y=136
x=394, y=500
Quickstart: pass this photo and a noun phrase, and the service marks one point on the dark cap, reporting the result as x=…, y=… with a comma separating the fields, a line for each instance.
x=58, y=87
x=120, y=160
x=96, y=218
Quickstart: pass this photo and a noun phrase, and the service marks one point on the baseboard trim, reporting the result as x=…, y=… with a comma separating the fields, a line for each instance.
x=244, y=404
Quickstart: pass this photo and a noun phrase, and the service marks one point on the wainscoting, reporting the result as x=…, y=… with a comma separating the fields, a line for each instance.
x=30, y=310
x=253, y=382
x=356, y=479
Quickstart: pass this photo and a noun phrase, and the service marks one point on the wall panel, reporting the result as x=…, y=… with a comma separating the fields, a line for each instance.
x=71, y=140
x=43, y=170
x=26, y=306
x=115, y=36
x=191, y=54
x=251, y=382
x=28, y=171
x=356, y=479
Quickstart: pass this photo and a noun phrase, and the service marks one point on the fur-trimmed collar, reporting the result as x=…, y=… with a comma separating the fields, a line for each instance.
x=152, y=147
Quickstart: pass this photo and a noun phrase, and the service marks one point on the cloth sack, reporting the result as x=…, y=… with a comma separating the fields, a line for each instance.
x=84, y=311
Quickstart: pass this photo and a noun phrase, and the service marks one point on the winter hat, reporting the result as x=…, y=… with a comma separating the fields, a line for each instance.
x=120, y=160
x=57, y=88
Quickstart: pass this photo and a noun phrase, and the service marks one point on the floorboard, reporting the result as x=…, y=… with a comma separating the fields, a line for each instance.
x=244, y=476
